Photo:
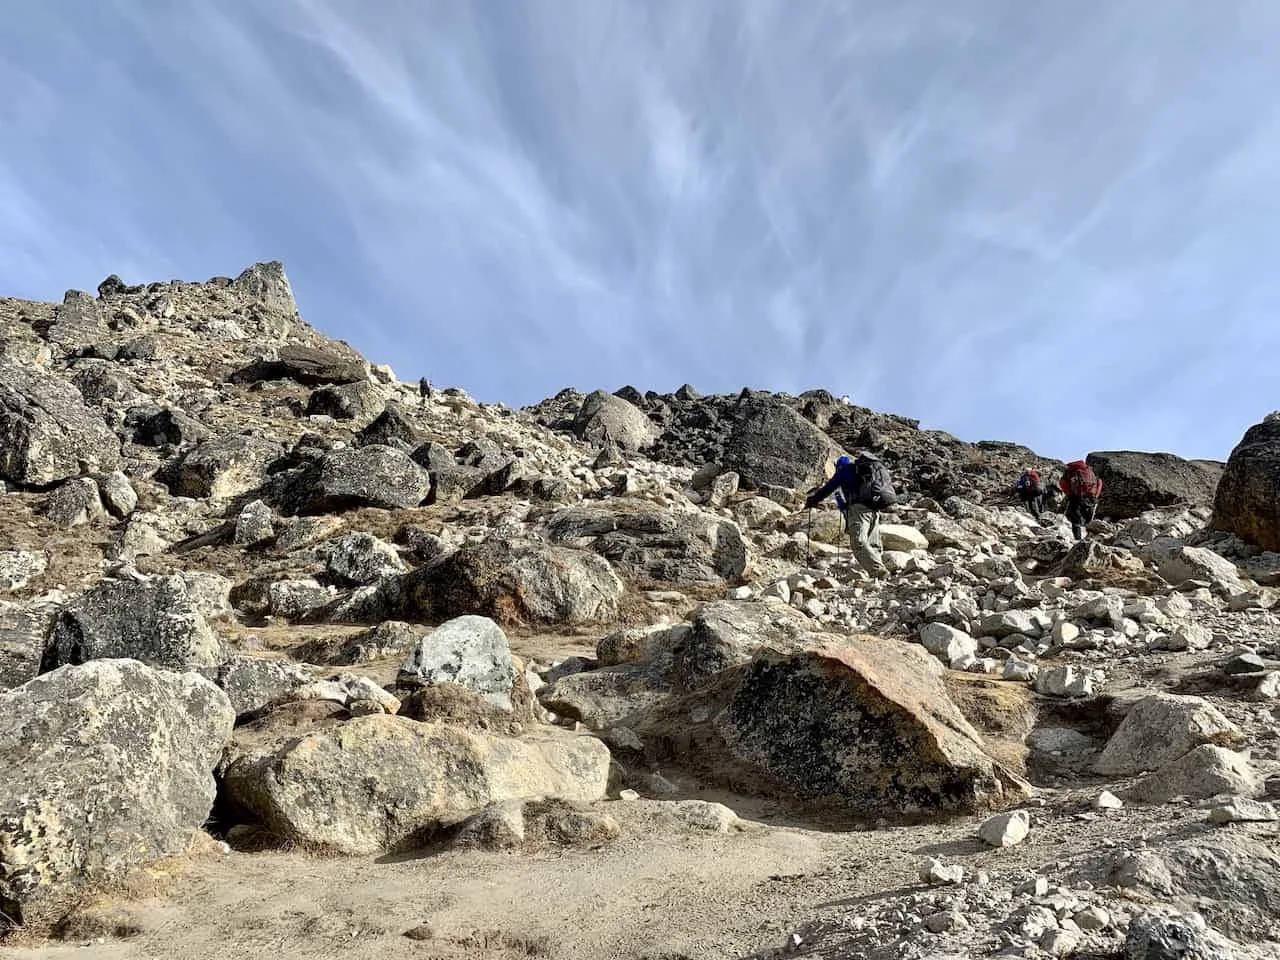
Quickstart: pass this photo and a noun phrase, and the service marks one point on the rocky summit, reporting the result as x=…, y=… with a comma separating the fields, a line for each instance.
x=300, y=660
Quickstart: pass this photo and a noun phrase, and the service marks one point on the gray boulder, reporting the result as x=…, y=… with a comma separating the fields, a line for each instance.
x=469, y=651
x=1154, y=936
x=605, y=418
x=158, y=621
x=47, y=434
x=253, y=682
x=771, y=444
x=1184, y=563
x=74, y=503
x=78, y=323
x=305, y=365
x=225, y=468
x=1247, y=502
x=947, y=643
x=1160, y=729
x=516, y=582
x=1135, y=482
x=372, y=476
x=20, y=567
x=166, y=426
x=380, y=783
x=1204, y=772
x=24, y=631
x=117, y=494
x=255, y=524
x=360, y=401
x=361, y=558
x=107, y=766
x=386, y=639
x=656, y=543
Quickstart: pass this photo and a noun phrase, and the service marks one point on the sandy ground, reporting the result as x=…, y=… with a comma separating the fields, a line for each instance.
x=650, y=896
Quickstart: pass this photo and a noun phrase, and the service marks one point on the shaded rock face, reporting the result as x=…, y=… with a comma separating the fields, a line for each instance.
x=159, y=622
x=604, y=418
x=516, y=582
x=305, y=365
x=1135, y=482
x=772, y=444
x=383, y=782
x=24, y=630
x=679, y=546
x=107, y=765
x=868, y=727
x=373, y=476
x=225, y=468
x=1247, y=502
x=47, y=433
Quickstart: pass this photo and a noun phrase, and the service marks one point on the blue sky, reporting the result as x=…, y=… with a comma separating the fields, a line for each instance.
x=1056, y=223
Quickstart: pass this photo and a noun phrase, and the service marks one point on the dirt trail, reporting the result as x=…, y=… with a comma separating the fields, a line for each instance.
x=650, y=896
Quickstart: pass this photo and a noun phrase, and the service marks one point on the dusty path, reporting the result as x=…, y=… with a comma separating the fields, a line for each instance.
x=649, y=896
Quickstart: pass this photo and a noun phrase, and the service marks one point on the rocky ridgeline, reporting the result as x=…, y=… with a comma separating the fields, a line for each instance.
x=258, y=587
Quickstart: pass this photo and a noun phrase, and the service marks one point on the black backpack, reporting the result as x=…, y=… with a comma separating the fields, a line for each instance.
x=875, y=485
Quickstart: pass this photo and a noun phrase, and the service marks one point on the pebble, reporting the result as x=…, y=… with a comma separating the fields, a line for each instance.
x=935, y=872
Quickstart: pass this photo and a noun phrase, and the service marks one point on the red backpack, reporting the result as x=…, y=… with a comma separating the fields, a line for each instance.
x=1082, y=481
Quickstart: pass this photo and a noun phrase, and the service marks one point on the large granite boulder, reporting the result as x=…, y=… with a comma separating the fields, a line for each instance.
x=770, y=444
x=381, y=783
x=867, y=726
x=225, y=468
x=605, y=418
x=1134, y=482
x=161, y=622
x=371, y=476
x=106, y=766
x=653, y=542
x=1248, y=496
x=516, y=582
x=1161, y=729
x=305, y=365
x=47, y=433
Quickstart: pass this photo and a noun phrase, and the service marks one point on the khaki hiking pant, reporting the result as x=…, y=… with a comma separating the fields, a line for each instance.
x=864, y=538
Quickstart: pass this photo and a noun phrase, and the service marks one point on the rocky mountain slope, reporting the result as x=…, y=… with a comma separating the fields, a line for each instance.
x=264, y=601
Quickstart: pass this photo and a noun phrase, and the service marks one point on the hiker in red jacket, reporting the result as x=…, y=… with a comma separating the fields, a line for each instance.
x=1082, y=488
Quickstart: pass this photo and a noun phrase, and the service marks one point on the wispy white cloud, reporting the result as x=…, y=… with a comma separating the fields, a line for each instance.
x=964, y=216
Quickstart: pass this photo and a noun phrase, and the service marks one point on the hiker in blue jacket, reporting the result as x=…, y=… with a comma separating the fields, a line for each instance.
x=865, y=488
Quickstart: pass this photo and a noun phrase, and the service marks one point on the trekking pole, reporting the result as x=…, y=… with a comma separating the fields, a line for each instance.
x=808, y=541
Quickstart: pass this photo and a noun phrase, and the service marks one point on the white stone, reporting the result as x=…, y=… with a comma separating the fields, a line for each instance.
x=935, y=872
x=897, y=536
x=947, y=643
x=1244, y=810
x=1066, y=681
x=1006, y=829
x=1108, y=801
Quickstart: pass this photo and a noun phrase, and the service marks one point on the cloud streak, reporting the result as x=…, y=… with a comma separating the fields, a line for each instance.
x=1045, y=223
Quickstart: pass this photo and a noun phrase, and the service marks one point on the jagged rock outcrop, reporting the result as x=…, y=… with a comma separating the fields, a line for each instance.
x=1247, y=502
x=305, y=365
x=1135, y=482
x=107, y=765
x=47, y=433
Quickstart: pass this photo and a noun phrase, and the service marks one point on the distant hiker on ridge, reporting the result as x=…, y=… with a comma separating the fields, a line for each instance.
x=1031, y=492
x=865, y=488
x=1082, y=488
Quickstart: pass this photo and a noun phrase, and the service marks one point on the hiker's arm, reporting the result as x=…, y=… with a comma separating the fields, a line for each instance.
x=823, y=491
